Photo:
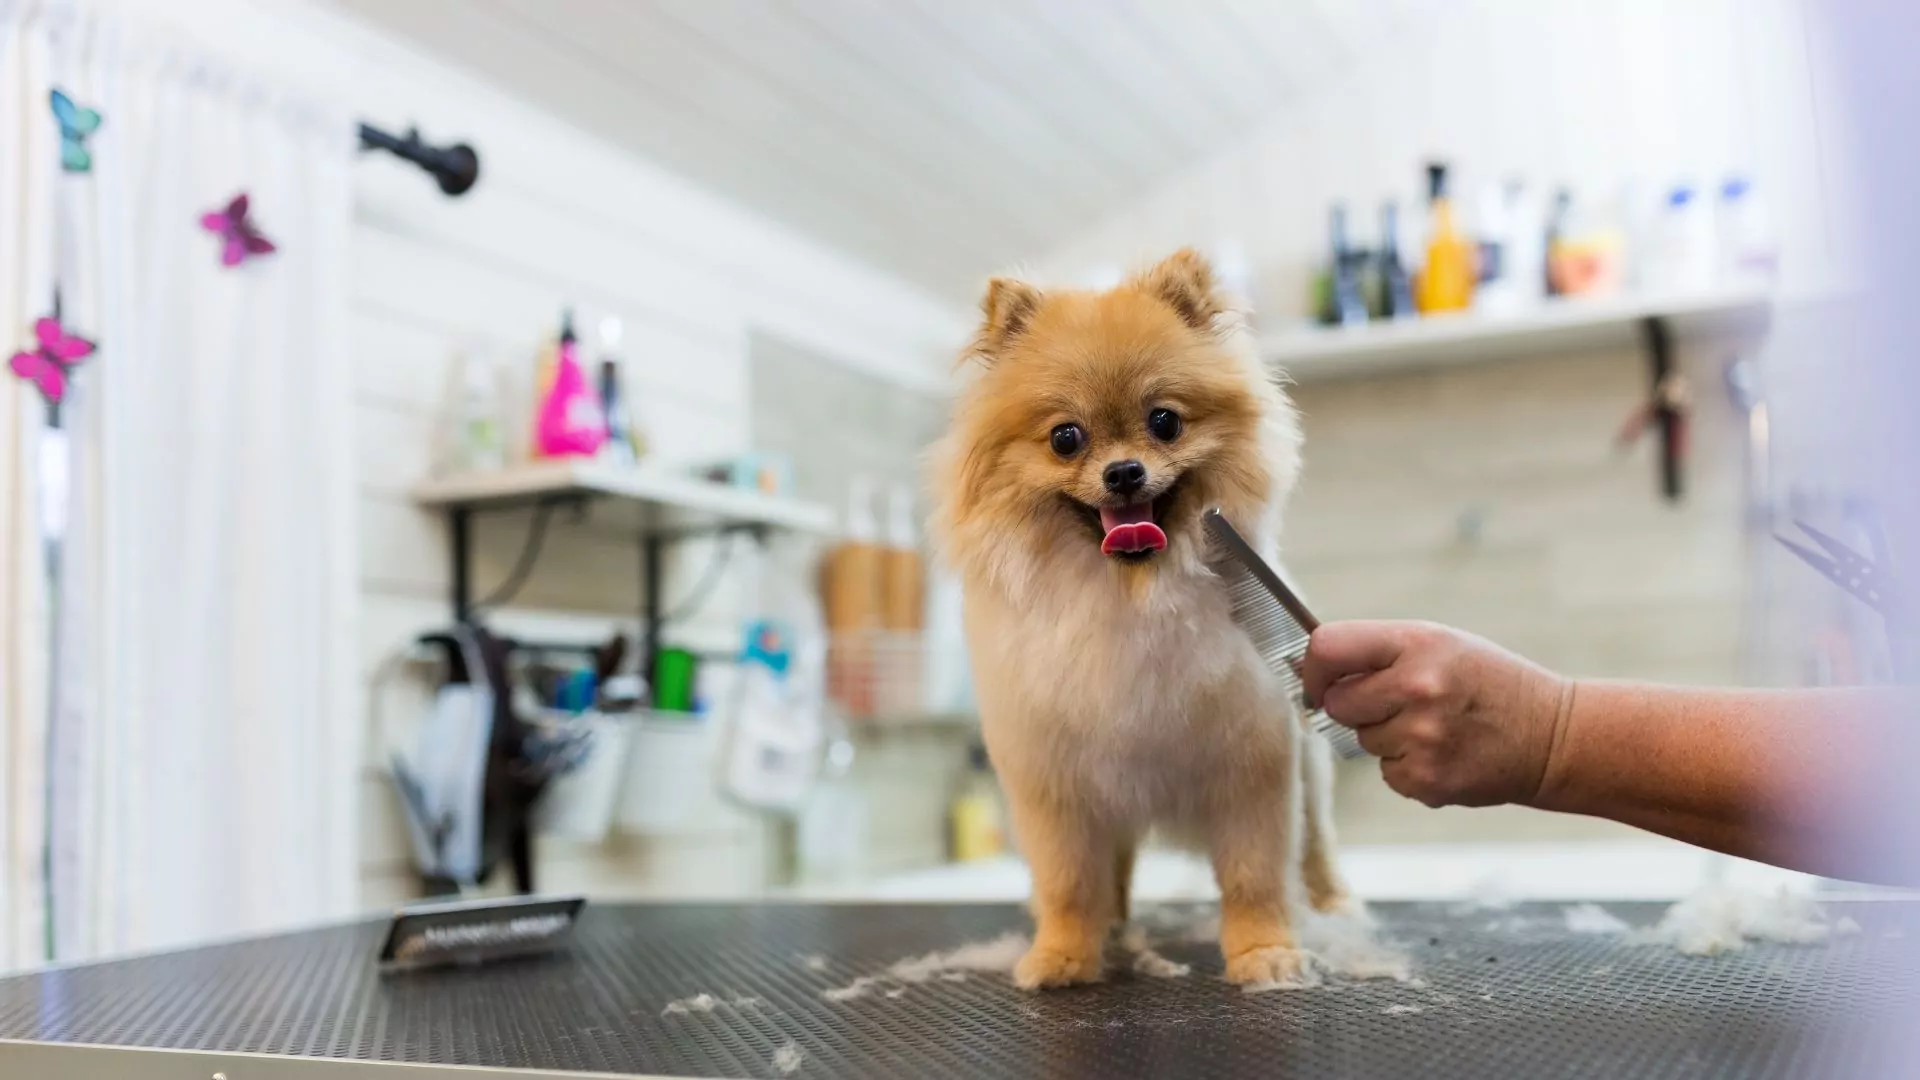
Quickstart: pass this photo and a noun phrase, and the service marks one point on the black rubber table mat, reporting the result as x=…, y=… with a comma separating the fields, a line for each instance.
x=1497, y=994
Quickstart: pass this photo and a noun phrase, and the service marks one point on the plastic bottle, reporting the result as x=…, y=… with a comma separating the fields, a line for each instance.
x=1396, y=287
x=977, y=817
x=1494, y=290
x=546, y=367
x=476, y=443
x=1525, y=253
x=621, y=447
x=1640, y=216
x=1553, y=244
x=1447, y=276
x=1585, y=249
x=1349, y=308
x=1748, y=253
x=1685, y=257
x=570, y=422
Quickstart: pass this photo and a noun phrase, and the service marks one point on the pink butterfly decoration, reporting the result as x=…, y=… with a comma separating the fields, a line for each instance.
x=240, y=238
x=48, y=366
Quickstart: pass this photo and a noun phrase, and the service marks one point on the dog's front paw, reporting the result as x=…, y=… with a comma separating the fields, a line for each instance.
x=1044, y=967
x=1270, y=965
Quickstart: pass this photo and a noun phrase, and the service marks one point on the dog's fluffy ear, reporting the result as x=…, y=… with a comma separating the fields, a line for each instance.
x=1185, y=281
x=1007, y=307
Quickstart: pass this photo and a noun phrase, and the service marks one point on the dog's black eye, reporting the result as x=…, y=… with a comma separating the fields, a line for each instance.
x=1068, y=439
x=1164, y=424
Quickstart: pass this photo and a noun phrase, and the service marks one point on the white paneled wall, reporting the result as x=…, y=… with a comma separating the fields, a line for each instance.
x=1554, y=92
x=557, y=220
x=938, y=139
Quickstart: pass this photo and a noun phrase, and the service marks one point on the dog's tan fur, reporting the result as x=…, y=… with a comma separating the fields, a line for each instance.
x=1118, y=697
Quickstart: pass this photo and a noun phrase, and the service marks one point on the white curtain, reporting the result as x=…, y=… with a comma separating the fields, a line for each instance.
x=198, y=775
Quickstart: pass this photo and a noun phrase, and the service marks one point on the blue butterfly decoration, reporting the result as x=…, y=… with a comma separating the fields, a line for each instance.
x=77, y=122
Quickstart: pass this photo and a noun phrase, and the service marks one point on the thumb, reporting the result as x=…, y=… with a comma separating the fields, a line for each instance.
x=1340, y=649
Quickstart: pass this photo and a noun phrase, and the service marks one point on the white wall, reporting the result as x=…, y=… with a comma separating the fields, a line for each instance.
x=557, y=219
x=1551, y=91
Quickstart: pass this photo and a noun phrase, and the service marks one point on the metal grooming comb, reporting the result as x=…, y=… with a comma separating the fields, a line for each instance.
x=1846, y=568
x=1275, y=619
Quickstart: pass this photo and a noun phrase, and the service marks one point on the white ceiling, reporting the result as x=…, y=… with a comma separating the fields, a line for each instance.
x=938, y=139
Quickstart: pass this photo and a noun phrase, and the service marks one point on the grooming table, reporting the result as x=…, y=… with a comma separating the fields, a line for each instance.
x=1498, y=994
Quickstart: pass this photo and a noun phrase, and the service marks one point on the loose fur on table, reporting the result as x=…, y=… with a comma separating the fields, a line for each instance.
x=1341, y=946
x=788, y=1058
x=996, y=956
x=1116, y=693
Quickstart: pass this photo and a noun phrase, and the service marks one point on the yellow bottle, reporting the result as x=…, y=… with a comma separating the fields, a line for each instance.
x=1446, y=281
x=978, y=821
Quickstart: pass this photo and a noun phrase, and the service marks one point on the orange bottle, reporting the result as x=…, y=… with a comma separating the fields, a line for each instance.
x=1446, y=281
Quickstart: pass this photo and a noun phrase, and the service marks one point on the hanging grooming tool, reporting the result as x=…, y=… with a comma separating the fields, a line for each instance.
x=1275, y=619
x=607, y=658
x=1846, y=568
x=1867, y=581
x=1666, y=412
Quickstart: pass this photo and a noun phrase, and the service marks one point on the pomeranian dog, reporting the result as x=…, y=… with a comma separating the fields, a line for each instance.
x=1116, y=694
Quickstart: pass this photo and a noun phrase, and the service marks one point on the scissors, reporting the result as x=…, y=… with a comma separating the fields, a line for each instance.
x=1846, y=568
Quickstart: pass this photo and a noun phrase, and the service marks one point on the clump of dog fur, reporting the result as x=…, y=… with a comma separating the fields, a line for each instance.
x=1116, y=694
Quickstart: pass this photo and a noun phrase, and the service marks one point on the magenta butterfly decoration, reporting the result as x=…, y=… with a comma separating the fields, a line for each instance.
x=48, y=366
x=240, y=238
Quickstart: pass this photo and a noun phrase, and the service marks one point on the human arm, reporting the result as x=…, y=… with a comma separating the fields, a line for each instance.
x=1815, y=780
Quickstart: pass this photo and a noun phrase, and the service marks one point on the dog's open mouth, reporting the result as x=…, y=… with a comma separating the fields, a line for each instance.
x=1131, y=530
x=1135, y=532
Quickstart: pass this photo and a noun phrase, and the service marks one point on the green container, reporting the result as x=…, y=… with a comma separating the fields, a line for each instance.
x=673, y=674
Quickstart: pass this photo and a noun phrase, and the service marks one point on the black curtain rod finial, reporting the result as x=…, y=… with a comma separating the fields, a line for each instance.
x=456, y=168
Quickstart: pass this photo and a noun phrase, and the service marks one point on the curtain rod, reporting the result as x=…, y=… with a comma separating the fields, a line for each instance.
x=455, y=167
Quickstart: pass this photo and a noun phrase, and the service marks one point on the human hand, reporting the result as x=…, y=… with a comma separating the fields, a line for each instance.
x=1455, y=719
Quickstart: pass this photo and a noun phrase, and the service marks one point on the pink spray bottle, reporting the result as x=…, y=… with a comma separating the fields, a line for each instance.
x=571, y=422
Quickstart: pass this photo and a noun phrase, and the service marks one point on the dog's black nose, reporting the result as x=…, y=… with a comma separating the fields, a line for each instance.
x=1125, y=477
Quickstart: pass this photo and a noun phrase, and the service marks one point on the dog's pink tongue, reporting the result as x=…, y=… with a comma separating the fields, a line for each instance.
x=1129, y=529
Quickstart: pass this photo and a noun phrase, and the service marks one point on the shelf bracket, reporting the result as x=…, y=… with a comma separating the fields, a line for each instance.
x=653, y=552
x=460, y=536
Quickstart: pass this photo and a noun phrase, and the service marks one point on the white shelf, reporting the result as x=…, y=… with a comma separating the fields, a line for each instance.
x=1556, y=326
x=651, y=487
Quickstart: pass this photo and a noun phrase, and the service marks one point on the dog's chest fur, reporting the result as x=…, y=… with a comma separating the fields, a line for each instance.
x=1140, y=700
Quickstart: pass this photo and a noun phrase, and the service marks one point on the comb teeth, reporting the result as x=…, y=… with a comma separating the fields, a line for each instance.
x=1277, y=635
